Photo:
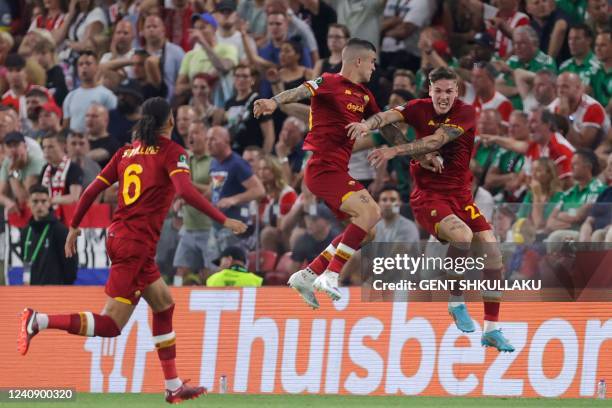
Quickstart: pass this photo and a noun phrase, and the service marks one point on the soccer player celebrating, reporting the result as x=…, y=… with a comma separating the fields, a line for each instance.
x=149, y=171
x=336, y=100
x=445, y=124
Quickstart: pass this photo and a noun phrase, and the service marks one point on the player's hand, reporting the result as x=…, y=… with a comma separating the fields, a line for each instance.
x=357, y=129
x=264, y=107
x=379, y=157
x=432, y=162
x=237, y=226
x=71, y=239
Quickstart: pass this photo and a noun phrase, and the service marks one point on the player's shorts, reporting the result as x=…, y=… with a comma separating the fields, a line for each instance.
x=330, y=183
x=194, y=251
x=132, y=269
x=430, y=211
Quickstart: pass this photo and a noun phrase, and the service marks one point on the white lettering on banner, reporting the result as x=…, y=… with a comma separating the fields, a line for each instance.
x=334, y=356
x=595, y=334
x=416, y=328
x=98, y=347
x=365, y=357
x=553, y=329
x=310, y=381
x=451, y=355
x=494, y=382
x=250, y=329
x=213, y=303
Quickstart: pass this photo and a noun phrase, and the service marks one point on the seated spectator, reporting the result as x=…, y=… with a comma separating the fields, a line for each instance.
x=502, y=179
x=50, y=118
x=245, y=129
x=602, y=83
x=252, y=155
x=318, y=235
x=489, y=123
x=227, y=32
x=253, y=13
x=121, y=50
x=543, y=193
x=570, y=213
x=44, y=53
x=583, y=61
x=201, y=100
x=337, y=37
x=62, y=176
x=551, y=25
x=84, y=29
x=394, y=227
x=20, y=170
x=289, y=150
x=9, y=122
x=122, y=120
x=178, y=23
x=77, y=148
x=290, y=73
x=102, y=145
x=597, y=227
x=503, y=218
x=35, y=98
x=79, y=100
x=185, y=115
x=537, y=89
x=52, y=18
x=18, y=84
x=502, y=25
x=598, y=17
x=233, y=271
x=404, y=80
x=527, y=56
x=42, y=245
x=279, y=199
x=588, y=119
x=146, y=71
x=486, y=96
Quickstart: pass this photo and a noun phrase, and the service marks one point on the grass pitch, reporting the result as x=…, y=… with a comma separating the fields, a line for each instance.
x=87, y=400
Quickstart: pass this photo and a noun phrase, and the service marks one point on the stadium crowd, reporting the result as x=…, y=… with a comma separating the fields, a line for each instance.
x=73, y=74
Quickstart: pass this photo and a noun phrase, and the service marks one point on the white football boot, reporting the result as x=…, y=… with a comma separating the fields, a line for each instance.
x=302, y=282
x=327, y=282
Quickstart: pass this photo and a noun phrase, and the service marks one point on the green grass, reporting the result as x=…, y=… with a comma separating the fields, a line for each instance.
x=86, y=400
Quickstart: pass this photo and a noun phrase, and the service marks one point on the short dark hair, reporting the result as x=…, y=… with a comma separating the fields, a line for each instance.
x=55, y=135
x=38, y=189
x=345, y=30
x=404, y=94
x=359, y=43
x=590, y=157
x=141, y=52
x=488, y=68
x=389, y=187
x=584, y=27
x=37, y=92
x=442, y=73
x=88, y=53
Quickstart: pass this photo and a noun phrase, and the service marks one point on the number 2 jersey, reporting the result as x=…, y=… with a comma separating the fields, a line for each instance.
x=145, y=188
x=336, y=102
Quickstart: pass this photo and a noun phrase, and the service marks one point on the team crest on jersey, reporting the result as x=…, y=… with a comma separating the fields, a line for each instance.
x=434, y=213
x=366, y=98
x=347, y=92
x=351, y=183
x=319, y=80
x=182, y=162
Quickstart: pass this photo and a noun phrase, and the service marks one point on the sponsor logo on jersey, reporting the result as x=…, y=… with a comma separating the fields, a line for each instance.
x=355, y=108
x=347, y=92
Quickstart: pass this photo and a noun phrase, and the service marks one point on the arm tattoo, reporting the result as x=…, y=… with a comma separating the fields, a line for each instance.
x=431, y=143
x=376, y=121
x=292, y=95
x=451, y=132
x=392, y=134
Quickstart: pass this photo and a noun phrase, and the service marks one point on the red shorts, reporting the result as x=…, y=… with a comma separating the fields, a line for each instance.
x=430, y=210
x=132, y=269
x=330, y=183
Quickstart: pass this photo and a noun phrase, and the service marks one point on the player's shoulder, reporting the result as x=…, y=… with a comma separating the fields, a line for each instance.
x=464, y=108
x=423, y=103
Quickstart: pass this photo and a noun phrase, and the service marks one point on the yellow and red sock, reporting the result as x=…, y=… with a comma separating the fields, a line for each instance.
x=351, y=241
x=165, y=342
x=491, y=298
x=319, y=264
x=85, y=324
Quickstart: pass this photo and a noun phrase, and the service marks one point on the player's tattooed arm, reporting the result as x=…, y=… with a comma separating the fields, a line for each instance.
x=292, y=95
x=392, y=134
x=443, y=135
x=376, y=121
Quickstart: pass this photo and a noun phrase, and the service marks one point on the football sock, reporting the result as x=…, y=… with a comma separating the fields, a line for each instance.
x=177, y=280
x=84, y=324
x=319, y=264
x=351, y=241
x=489, y=326
x=165, y=343
x=455, y=252
x=491, y=298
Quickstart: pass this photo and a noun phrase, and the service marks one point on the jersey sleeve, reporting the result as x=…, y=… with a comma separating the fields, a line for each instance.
x=319, y=85
x=371, y=107
x=594, y=116
x=464, y=119
x=109, y=175
x=176, y=160
x=409, y=111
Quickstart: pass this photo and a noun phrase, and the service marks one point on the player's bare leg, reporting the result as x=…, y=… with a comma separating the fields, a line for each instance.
x=364, y=213
x=107, y=324
x=459, y=236
x=493, y=266
x=160, y=300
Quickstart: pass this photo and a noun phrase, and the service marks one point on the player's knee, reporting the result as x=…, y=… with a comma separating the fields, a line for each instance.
x=459, y=235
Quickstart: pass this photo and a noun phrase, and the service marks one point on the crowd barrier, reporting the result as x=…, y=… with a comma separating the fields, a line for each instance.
x=266, y=340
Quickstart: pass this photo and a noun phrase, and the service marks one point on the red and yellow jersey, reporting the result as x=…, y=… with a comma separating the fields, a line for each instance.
x=456, y=176
x=145, y=189
x=335, y=103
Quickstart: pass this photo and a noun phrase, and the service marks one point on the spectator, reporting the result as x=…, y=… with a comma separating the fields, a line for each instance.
x=207, y=56
x=489, y=123
x=544, y=192
x=583, y=61
x=85, y=29
x=178, y=22
x=35, y=98
x=167, y=56
x=503, y=219
x=537, y=89
x=401, y=27
x=121, y=49
x=20, y=170
x=487, y=97
x=575, y=10
x=102, y=145
x=551, y=25
x=318, y=235
x=597, y=226
x=575, y=204
x=364, y=19
x=526, y=56
x=52, y=19
x=227, y=33
x=77, y=148
x=62, y=176
x=588, y=119
x=279, y=199
x=185, y=115
x=503, y=24
x=319, y=16
x=233, y=270
x=252, y=155
x=42, y=245
x=79, y=100
x=9, y=122
x=234, y=185
x=123, y=119
x=404, y=80
x=44, y=53
x=147, y=72
x=502, y=179
x=194, y=254
x=394, y=227
x=18, y=84
x=337, y=37
x=243, y=126
x=201, y=100
x=253, y=13
x=50, y=118
x=602, y=83
x=289, y=150
x=598, y=17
